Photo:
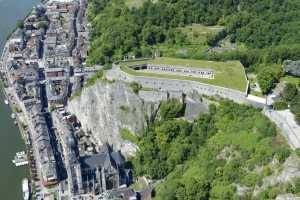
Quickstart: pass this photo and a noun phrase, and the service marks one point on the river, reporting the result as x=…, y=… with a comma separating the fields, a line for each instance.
x=10, y=138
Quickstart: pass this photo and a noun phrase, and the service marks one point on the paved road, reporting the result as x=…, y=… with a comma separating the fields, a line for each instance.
x=286, y=122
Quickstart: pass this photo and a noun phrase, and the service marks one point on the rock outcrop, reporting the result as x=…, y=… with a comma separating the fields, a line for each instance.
x=104, y=109
x=290, y=171
x=292, y=67
x=287, y=197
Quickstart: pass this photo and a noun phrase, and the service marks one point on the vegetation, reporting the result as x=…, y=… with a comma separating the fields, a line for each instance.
x=137, y=30
x=171, y=109
x=280, y=105
x=295, y=107
x=289, y=92
x=222, y=70
x=124, y=108
x=118, y=30
x=20, y=24
x=91, y=81
x=127, y=135
x=186, y=28
x=267, y=77
x=136, y=87
x=291, y=97
x=206, y=158
x=43, y=24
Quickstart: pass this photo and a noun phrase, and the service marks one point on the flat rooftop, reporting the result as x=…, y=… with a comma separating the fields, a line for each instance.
x=230, y=74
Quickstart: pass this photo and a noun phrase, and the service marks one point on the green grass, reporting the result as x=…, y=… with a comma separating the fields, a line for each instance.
x=196, y=41
x=227, y=74
x=255, y=93
x=134, y=3
x=197, y=33
x=290, y=79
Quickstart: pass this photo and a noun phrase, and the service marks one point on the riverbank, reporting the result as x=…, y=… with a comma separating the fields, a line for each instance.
x=10, y=141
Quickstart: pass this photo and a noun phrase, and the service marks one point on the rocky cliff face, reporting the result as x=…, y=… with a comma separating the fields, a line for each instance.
x=105, y=109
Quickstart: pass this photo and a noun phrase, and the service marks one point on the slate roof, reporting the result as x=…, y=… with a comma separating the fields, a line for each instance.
x=105, y=159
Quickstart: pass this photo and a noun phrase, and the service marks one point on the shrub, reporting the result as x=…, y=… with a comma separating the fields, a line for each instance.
x=136, y=87
x=289, y=92
x=282, y=154
x=171, y=109
x=127, y=135
x=98, y=75
x=20, y=24
x=124, y=108
x=280, y=105
x=107, y=66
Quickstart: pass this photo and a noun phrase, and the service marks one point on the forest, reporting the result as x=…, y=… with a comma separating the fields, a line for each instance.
x=118, y=30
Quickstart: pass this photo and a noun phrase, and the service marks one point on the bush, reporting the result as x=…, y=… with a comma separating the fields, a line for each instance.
x=171, y=109
x=136, y=87
x=91, y=81
x=20, y=24
x=282, y=154
x=127, y=135
x=289, y=92
x=295, y=107
x=107, y=66
x=124, y=108
x=280, y=105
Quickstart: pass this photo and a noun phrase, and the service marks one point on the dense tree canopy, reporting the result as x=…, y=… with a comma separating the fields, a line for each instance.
x=205, y=159
x=118, y=30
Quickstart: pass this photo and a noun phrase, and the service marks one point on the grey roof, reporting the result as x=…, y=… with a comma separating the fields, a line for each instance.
x=122, y=193
x=105, y=159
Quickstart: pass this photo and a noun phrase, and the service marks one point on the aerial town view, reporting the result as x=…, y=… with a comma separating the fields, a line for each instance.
x=150, y=99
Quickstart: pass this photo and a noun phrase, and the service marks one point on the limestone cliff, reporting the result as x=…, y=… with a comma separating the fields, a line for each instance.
x=106, y=108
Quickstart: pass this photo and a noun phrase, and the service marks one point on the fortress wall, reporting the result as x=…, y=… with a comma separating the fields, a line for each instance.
x=179, y=85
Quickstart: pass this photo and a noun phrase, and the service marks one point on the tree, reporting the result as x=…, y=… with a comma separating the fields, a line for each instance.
x=266, y=79
x=20, y=24
x=289, y=92
x=295, y=107
x=171, y=109
x=280, y=105
x=197, y=189
x=43, y=24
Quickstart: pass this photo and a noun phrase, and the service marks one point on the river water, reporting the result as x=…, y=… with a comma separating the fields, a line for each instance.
x=10, y=138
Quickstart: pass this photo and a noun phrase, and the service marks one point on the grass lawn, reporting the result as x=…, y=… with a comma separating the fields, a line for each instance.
x=227, y=74
x=196, y=40
x=197, y=33
x=134, y=3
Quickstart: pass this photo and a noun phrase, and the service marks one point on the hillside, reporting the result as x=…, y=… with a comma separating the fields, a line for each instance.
x=230, y=153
